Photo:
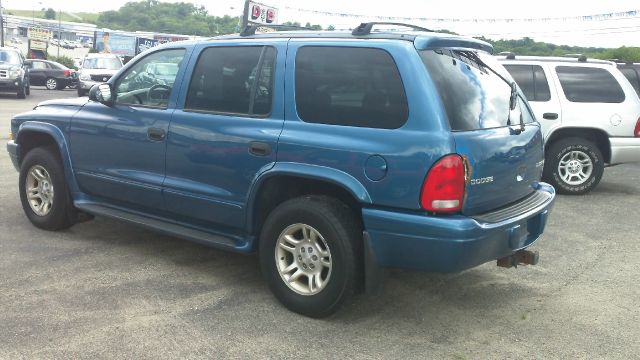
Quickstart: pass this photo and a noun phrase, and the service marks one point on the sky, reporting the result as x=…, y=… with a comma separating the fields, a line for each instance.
x=599, y=33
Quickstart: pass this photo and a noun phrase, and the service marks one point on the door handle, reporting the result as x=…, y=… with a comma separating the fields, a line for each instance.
x=259, y=148
x=550, y=116
x=156, y=134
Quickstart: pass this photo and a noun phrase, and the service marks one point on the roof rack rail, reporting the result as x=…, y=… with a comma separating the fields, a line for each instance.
x=251, y=29
x=365, y=28
x=508, y=54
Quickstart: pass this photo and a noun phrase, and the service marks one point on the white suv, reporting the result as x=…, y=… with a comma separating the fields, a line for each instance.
x=590, y=116
x=96, y=69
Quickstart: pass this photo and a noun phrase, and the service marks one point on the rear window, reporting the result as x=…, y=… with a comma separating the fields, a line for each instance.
x=532, y=81
x=350, y=87
x=473, y=96
x=588, y=84
x=633, y=78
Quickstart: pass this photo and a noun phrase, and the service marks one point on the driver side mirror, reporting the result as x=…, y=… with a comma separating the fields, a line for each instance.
x=27, y=65
x=101, y=93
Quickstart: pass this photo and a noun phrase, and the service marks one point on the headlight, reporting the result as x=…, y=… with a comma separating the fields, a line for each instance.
x=15, y=73
x=85, y=76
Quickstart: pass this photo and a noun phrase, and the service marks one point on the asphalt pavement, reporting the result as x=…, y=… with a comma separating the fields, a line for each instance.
x=105, y=289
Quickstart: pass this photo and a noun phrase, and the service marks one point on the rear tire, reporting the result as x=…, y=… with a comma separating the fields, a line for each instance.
x=51, y=84
x=43, y=190
x=574, y=166
x=326, y=254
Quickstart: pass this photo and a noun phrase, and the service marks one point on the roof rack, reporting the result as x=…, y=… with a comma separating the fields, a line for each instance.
x=509, y=55
x=251, y=29
x=365, y=28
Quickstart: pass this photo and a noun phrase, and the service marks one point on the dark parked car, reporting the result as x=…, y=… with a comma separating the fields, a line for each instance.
x=51, y=74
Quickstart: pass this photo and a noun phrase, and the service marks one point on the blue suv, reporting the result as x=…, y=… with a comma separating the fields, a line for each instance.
x=331, y=154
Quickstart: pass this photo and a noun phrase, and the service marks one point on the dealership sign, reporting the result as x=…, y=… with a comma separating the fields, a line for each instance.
x=262, y=14
x=34, y=33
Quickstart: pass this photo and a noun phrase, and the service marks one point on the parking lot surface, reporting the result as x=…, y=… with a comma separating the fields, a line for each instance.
x=105, y=289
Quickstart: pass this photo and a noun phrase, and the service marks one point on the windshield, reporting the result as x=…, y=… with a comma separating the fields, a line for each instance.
x=102, y=63
x=10, y=57
x=474, y=97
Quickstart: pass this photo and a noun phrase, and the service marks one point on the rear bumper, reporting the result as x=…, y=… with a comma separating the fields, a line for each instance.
x=624, y=150
x=451, y=243
x=14, y=153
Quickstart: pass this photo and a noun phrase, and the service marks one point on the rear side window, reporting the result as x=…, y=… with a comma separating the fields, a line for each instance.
x=587, y=84
x=473, y=96
x=233, y=80
x=349, y=86
x=532, y=81
x=633, y=78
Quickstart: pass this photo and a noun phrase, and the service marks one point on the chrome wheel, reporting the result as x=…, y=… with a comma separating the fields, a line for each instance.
x=39, y=190
x=303, y=259
x=51, y=84
x=575, y=167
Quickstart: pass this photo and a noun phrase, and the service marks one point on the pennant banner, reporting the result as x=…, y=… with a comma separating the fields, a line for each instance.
x=595, y=17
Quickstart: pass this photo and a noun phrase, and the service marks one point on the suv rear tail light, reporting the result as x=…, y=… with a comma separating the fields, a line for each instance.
x=443, y=188
x=636, y=131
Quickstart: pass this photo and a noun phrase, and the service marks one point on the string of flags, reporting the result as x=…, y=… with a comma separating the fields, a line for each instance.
x=595, y=17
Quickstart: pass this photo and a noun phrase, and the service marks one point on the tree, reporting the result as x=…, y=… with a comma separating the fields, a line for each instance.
x=50, y=14
x=331, y=27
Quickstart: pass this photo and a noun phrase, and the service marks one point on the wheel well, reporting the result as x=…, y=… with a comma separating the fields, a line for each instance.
x=279, y=189
x=33, y=139
x=598, y=137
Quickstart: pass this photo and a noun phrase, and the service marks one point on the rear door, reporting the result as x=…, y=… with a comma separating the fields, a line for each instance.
x=533, y=79
x=502, y=147
x=224, y=131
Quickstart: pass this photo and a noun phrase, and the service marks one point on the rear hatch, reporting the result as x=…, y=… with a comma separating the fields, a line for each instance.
x=503, y=147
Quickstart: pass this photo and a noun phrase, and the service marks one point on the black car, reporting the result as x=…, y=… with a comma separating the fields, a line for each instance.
x=632, y=72
x=51, y=74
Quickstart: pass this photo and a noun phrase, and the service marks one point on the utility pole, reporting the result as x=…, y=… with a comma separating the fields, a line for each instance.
x=1, y=26
x=59, y=26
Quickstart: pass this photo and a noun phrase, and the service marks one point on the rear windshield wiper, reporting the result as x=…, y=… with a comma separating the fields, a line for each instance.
x=513, y=98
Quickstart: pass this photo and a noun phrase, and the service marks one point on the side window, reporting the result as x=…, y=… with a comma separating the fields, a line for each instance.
x=588, y=84
x=532, y=81
x=349, y=86
x=631, y=74
x=39, y=65
x=541, y=84
x=233, y=80
x=141, y=86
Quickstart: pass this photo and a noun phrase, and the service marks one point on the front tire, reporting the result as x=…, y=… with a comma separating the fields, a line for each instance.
x=310, y=254
x=43, y=190
x=574, y=166
x=22, y=92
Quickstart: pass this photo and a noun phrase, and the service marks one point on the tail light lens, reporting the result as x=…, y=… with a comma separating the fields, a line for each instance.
x=636, y=131
x=67, y=73
x=443, y=188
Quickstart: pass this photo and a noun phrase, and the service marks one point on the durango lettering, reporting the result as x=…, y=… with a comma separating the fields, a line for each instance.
x=483, y=180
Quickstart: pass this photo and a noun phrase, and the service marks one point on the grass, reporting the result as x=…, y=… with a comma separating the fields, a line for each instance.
x=86, y=17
